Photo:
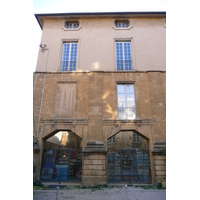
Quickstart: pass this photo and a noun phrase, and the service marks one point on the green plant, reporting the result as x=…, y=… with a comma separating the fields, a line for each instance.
x=146, y=187
x=159, y=186
x=37, y=185
x=36, y=188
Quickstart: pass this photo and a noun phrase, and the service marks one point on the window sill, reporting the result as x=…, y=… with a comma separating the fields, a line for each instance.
x=148, y=121
x=127, y=28
x=72, y=29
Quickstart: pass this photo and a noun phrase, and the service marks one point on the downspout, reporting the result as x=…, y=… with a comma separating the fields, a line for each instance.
x=35, y=143
x=43, y=49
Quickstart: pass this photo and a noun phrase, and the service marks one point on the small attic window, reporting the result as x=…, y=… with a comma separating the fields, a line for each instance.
x=71, y=24
x=122, y=24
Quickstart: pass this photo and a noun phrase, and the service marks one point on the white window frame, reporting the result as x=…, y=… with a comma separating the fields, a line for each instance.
x=123, y=55
x=126, y=112
x=69, y=58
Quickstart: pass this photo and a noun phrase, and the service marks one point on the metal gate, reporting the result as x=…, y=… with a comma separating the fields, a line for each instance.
x=130, y=165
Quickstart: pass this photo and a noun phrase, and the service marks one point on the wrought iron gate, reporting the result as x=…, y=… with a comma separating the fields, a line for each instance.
x=130, y=165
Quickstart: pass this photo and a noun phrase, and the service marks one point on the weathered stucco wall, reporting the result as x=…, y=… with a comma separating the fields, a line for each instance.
x=96, y=44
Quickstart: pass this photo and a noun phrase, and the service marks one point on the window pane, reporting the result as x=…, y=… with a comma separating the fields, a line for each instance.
x=123, y=56
x=122, y=24
x=71, y=25
x=121, y=101
x=69, y=57
x=126, y=101
x=129, y=88
x=120, y=89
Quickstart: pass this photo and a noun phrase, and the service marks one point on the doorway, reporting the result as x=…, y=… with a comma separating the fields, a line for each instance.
x=128, y=158
x=62, y=158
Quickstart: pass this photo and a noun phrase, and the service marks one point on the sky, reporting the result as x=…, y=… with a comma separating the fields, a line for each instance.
x=53, y=6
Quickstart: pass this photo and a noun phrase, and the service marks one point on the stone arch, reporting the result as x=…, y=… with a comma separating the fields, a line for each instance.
x=61, y=156
x=128, y=156
x=136, y=129
x=54, y=131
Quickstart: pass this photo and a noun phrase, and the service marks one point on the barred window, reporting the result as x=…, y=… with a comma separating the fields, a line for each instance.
x=122, y=24
x=71, y=24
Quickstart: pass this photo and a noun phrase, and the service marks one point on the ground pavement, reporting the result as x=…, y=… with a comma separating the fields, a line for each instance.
x=114, y=193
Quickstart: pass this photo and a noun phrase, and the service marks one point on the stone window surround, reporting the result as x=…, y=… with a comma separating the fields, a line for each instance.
x=126, y=83
x=136, y=100
x=72, y=29
x=124, y=28
x=114, y=27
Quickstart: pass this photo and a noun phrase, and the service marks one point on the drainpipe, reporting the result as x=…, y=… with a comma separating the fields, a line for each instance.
x=43, y=49
x=35, y=143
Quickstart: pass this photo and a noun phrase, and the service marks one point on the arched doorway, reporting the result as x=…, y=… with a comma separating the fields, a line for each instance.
x=128, y=158
x=62, y=157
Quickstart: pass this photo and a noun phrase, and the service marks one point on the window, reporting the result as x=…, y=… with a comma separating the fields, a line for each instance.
x=121, y=24
x=136, y=137
x=126, y=101
x=69, y=57
x=71, y=24
x=123, y=56
x=112, y=139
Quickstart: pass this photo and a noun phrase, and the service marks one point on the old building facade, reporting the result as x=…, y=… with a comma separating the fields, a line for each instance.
x=99, y=94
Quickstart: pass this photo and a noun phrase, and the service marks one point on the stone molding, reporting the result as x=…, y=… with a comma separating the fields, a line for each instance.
x=158, y=147
x=95, y=146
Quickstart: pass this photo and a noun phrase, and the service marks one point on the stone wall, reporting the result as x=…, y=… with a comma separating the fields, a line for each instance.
x=94, y=113
x=159, y=152
x=160, y=167
x=94, y=164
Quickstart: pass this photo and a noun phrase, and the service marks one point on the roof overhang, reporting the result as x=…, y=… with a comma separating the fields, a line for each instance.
x=40, y=17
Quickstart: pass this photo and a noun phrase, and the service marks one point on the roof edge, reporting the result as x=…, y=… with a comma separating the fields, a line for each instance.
x=138, y=13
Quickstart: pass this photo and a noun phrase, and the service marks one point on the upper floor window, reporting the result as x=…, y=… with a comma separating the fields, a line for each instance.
x=123, y=55
x=122, y=24
x=126, y=101
x=71, y=24
x=69, y=57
